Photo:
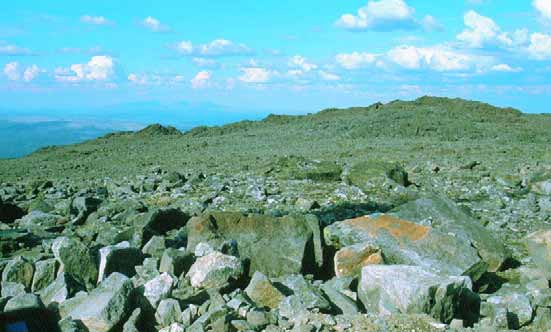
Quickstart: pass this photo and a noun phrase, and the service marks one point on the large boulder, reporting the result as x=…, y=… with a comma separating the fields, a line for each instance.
x=18, y=270
x=274, y=246
x=445, y=216
x=44, y=274
x=75, y=258
x=215, y=270
x=103, y=308
x=120, y=258
x=350, y=260
x=10, y=212
x=263, y=292
x=538, y=245
x=403, y=242
x=393, y=289
x=63, y=288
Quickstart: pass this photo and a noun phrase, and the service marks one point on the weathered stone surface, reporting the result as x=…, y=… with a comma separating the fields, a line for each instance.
x=175, y=261
x=160, y=221
x=133, y=322
x=519, y=309
x=75, y=258
x=44, y=274
x=24, y=301
x=263, y=292
x=274, y=246
x=168, y=312
x=155, y=246
x=349, y=260
x=39, y=219
x=158, y=289
x=120, y=258
x=215, y=270
x=11, y=289
x=447, y=217
x=389, y=289
x=63, y=288
x=371, y=173
x=408, y=243
x=538, y=245
x=104, y=307
x=19, y=270
x=339, y=297
x=303, y=296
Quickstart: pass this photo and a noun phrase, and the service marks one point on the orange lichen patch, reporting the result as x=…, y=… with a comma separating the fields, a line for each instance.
x=398, y=228
x=350, y=260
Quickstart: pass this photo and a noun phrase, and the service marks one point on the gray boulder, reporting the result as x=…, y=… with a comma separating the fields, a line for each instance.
x=175, y=261
x=63, y=288
x=75, y=258
x=44, y=274
x=158, y=288
x=393, y=289
x=215, y=270
x=274, y=246
x=18, y=270
x=120, y=258
x=538, y=245
x=168, y=312
x=24, y=301
x=103, y=308
x=11, y=289
x=263, y=292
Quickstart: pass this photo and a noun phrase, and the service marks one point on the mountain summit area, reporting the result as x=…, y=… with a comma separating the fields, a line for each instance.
x=424, y=215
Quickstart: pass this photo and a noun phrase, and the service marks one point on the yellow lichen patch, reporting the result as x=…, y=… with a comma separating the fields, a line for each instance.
x=350, y=260
x=398, y=228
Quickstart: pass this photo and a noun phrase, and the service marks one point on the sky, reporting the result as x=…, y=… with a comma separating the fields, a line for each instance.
x=284, y=56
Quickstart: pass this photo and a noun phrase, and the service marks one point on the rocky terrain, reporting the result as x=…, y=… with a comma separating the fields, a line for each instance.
x=430, y=215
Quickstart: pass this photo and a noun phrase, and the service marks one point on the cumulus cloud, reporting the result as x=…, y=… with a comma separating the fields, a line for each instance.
x=302, y=63
x=216, y=48
x=482, y=31
x=540, y=46
x=543, y=7
x=430, y=23
x=14, y=72
x=355, y=60
x=94, y=20
x=201, y=80
x=154, y=25
x=327, y=76
x=255, y=75
x=380, y=15
x=438, y=58
x=99, y=68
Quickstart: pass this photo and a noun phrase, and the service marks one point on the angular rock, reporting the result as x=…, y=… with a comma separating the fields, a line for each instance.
x=274, y=246
x=155, y=246
x=449, y=218
x=44, y=274
x=39, y=219
x=120, y=258
x=103, y=308
x=175, y=261
x=133, y=322
x=158, y=289
x=408, y=243
x=339, y=299
x=519, y=309
x=18, y=270
x=160, y=221
x=11, y=289
x=168, y=312
x=302, y=296
x=390, y=289
x=263, y=292
x=69, y=325
x=350, y=260
x=82, y=207
x=215, y=270
x=538, y=245
x=63, y=288
x=373, y=173
x=24, y=301
x=75, y=258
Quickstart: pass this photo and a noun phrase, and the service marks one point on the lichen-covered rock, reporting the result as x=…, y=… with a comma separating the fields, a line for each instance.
x=350, y=260
x=63, y=288
x=19, y=270
x=372, y=173
x=24, y=301
x=274, y=246
x=538, y=245
x=44, y=274
x=75, y=258
x=103, y=308
x=168, y=312
x=215, y=270
x=263, y=292
x=175, y=261
x=120, y=258
x=302, y=296
x=447, y=217
x=389, y=289
x=408, y=243
x=158, y=288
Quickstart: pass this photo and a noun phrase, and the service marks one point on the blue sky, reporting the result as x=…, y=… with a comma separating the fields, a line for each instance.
x=284, y=56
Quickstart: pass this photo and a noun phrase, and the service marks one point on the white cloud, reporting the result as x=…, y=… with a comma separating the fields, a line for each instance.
x=543, y=7
x=301, y=62
x=355, y=60
x=255, y=75
x=154, y=79
x=95, y=20
x=154, y=24
x=201, y=80
x=380, y=15
x=502, y=67
x=99, y=68
x=480, y=30
x=7, y=49
x=326, y=76
x=540, y=46
x=207, y=63
x=438, y=58
x=31, y=73
x=14, y=72
x=216, y=48
x=429, y=23
x=11, y=70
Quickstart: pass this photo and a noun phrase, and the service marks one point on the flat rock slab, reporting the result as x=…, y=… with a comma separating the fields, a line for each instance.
x=274, y=246
x=538, y=245
x=447, y=217
x=391, y=289
x=405, y=242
